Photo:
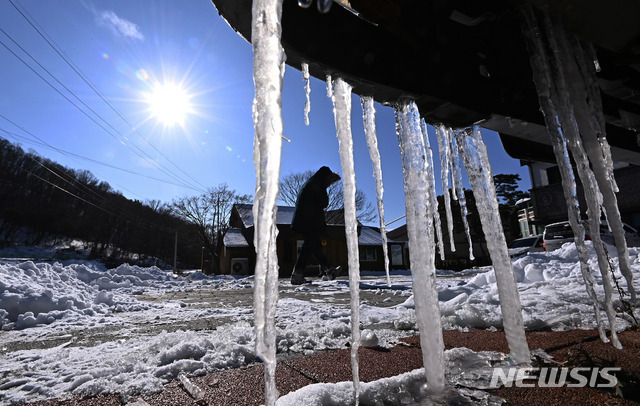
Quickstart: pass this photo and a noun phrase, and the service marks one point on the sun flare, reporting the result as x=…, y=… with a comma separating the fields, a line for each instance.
x=169, y=103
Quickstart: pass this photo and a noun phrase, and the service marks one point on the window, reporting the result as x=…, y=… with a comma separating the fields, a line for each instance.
x=553, y=175
x=369, y=254
x=396, y=255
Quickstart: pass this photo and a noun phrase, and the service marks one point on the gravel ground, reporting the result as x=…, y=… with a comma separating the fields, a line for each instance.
x=245, y=386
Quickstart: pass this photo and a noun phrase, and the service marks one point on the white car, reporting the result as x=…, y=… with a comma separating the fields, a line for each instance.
x=522, y=246
x=556, y=234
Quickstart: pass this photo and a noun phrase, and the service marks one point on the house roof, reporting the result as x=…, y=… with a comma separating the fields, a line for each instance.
x=370, y=236
x=245, y=212
x=399, y=234
x=234, y=238
x=284, y=215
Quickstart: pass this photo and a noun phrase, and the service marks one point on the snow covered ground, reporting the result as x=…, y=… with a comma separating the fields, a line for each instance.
x=75, y=327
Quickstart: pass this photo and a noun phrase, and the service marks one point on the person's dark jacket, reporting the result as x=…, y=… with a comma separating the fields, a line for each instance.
x=308, y=217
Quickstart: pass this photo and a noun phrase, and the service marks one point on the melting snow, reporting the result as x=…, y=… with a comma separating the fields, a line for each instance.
x=46, y=307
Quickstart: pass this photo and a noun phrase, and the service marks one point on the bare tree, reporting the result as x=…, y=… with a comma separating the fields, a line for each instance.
x=221, y=200
x=158, y=206
x=291, y=184
x=210, y=213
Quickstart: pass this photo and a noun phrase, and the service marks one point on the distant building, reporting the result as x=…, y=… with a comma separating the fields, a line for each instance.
x=237, y=254
x=453, y=260
x=458, y=259
x=527, y=218
x=547, y=196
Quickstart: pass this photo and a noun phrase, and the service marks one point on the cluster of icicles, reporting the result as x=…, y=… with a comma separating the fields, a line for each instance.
x=564, y=69
x=423, y=221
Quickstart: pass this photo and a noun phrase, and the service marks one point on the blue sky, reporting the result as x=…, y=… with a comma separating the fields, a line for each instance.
x=103, y=117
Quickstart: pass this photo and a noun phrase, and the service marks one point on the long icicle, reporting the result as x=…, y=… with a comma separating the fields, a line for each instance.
x=456, y=180
x=307, y=91
x=589, y=116
x=421, y=241
x=586, y=55
x=445, y=158
x=268, y=72
x=546, y=94
x=476, y=161
x=575, y=134
x=342, y=114
x=432, y=184
x=369, y=118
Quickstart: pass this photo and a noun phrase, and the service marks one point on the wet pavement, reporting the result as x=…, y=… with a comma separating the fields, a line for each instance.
x=128, y=324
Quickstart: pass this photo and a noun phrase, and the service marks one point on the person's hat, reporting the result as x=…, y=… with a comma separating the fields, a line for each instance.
x=326, y=173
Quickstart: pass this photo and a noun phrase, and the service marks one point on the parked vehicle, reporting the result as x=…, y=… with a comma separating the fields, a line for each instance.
x=630, y=234
x=556, y=234
x=525, y=245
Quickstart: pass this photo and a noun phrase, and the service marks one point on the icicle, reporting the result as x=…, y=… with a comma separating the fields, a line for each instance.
x=547, y=93
x=476, y=161
x=307, y=91
x=576, y=128
x=594, y=207
x=443, y=136
x=196, y=392
x=593, y=193
x=577, y=84
x=433, y=198
x=590, y=118
x=584, y=53
x=456, y=180
x=329, y=87
x=369, y=118
x=342, y=114
x=577, y=120
x=268, y=71
x=417, y=189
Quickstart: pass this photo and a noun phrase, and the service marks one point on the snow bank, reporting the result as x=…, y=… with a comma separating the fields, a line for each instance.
x=57, y=303
x=551, y=288
x=41, y=293
x=35, y=293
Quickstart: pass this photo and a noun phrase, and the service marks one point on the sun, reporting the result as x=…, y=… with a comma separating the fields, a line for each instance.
x=169, y=103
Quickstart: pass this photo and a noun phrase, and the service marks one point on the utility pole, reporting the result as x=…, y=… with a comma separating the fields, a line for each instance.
x=202, y=261
x=175, y=254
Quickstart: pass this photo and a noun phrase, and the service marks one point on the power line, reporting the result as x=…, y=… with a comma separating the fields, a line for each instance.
x=46, y=145
x=148, y=158
x=84, y=78
x=71, y=181
x=120, y=216
x=42, y=143
x=115, y=211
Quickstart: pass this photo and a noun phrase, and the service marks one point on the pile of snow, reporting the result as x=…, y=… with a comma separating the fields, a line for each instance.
x=551, y=290
x=46, y=306
x=35, y=294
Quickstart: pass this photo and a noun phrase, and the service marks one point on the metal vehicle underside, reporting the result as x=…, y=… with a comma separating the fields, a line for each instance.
x=464, y=61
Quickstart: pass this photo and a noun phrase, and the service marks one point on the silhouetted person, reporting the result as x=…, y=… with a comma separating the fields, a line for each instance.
x=309, y=220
